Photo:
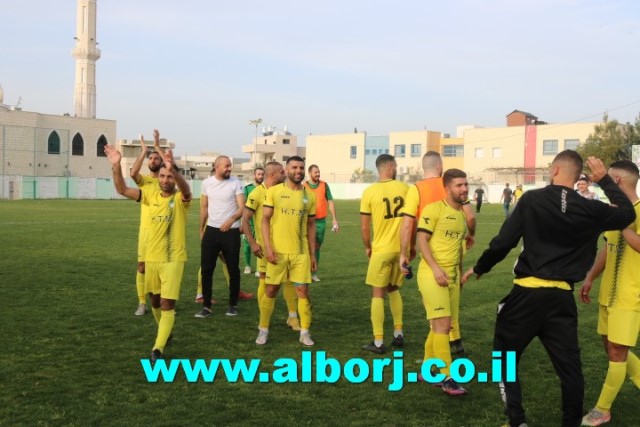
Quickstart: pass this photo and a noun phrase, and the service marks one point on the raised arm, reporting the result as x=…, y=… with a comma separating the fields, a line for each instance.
x=156, y=143
x=115, y=158
x=181, y=182
x=135, y=169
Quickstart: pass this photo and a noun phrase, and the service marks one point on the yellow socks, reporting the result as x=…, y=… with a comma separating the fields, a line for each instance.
x=225, y=273
x=140, y=288
x=612, y=384
x=633, y=368
x=260, y=292
x=429, y=352
x=395, y=304
x=199, y=290
x=267, y=305
x=377, y=317
x=442, y=351
x=164, y=329
x=290, y=295
x=454, y=333
x=157, y=313
x=304, y=308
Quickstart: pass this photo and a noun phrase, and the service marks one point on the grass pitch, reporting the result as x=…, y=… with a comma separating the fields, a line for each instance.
x=71, y=346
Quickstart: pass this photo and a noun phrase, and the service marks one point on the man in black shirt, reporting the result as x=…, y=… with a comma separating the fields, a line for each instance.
x=479, y=195
x=559, y=229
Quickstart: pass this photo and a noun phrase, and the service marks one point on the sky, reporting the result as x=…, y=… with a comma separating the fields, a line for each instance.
x=199, y=70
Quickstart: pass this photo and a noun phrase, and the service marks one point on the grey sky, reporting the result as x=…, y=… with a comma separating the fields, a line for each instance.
x=200, y=73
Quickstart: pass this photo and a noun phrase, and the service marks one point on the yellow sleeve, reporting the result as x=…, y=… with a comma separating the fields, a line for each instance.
x=411, y=202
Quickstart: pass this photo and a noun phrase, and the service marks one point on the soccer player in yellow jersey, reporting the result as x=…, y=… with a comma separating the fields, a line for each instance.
x=380, y=205
x=441, y=231
x=289, y=237
x=166, y=249
x=619, y=298
x=145, y=182
x=429, y=190
x=274, y=174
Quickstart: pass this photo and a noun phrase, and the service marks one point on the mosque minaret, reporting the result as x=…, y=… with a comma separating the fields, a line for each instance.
x=86, y=54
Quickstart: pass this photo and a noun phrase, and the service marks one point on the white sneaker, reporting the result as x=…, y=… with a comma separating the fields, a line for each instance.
x=258, y=274
x=142, y=309
x=306, y=340
x=263, y=336
x=315, y=278
x=247, y=270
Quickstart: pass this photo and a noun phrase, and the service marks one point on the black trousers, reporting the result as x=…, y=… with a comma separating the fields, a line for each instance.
x=551, y=315
x=478, y=205
x=213, y=242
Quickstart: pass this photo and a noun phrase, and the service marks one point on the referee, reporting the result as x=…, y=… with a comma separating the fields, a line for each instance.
x=559, y=229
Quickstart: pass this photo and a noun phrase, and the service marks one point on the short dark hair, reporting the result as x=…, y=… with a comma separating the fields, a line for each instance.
x=451, y=174
x=294, y=159
x=626, y=165
x=573, y=159
x=383, y=159
x=258, y=169
x=311, y=167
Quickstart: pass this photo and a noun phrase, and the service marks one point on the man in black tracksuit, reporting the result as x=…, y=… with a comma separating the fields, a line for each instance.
x=559, y=229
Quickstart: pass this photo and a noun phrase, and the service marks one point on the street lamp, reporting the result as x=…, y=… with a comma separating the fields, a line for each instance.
x=255, y=122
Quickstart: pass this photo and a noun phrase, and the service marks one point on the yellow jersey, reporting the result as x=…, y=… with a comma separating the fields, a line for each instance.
x=168, y=220
x=620, y=285
x=255, y=201
x=448, y=228
x=291, y=209
x=383, y=201
x=147, y=183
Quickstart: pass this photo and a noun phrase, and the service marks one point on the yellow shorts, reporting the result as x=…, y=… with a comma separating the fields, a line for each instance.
x=142, y=243
x=164, y=278
x=384, y=270
x=620, y=326
x=440, y=301
x=297, y=267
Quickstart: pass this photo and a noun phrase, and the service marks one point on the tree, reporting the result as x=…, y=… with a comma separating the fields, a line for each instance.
x=611, y=140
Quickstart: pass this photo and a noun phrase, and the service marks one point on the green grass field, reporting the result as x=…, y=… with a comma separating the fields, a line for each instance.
x=71, y=346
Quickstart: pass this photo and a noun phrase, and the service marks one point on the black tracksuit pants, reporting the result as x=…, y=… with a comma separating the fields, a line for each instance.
x=213, y=242
x=551, y=315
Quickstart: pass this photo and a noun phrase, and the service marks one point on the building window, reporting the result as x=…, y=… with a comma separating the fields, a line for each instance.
x=571, y=144
x=496, y=152
x=286, y=141
x=386, y=151
x=479, y=153
x=453, y=151
x=367, y=152
x=549, y=147
x=398, y=150
x=77, y=146
x=285, y=158
x=53, y=146
x=354, y=151
x=102, y=142
x=416, y=150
